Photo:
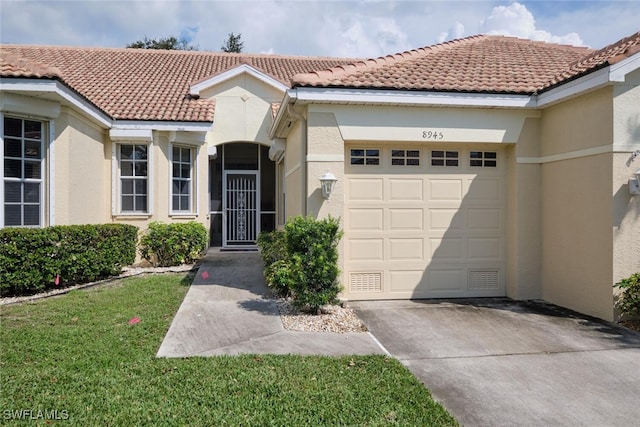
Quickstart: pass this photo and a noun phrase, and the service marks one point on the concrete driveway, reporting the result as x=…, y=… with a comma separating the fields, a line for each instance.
x=498, y=362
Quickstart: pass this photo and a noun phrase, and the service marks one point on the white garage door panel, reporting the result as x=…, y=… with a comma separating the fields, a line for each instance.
x=424, y=232
x=449, y=248
x=405, y=281
x=366, y=249
x=408, y=249
x=365, y=189
x=365, y=219
x=446, y=219
x=445, y=189
x=406, y=219
x=406, y=189
x=484, y=219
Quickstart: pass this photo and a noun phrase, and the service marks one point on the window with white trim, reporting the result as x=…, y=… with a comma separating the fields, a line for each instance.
x=365, y=156
x=444, y=158
x=181, y=179
x=405, y=157
x=487, y=159
x=133, y=161
x=23, y=172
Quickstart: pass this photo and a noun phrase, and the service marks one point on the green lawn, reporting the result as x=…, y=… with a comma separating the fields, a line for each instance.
x=77, y=358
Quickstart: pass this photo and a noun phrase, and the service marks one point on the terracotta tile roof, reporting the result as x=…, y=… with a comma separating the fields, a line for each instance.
x=608, y=55
x=15, y=66
x=142, y=84
x=493, y=64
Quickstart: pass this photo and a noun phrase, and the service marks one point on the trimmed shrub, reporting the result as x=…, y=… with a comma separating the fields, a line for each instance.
x=312, y=246
x=302, y=261
x=37, y=259
x=273, y=252
x=166, y=245
x=629, y=300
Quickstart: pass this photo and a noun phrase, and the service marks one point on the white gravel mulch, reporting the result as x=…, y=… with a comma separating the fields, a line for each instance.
x=333, y=318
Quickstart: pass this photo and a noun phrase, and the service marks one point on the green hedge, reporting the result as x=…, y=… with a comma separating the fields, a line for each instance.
x=628, y=301
x=302, y=261
x=37, y=259
x=165, y=245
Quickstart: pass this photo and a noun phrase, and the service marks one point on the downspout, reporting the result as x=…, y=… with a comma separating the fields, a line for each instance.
x=303, y=160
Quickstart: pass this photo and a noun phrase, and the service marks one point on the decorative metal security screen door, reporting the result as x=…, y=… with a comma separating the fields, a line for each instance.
x=241, y=208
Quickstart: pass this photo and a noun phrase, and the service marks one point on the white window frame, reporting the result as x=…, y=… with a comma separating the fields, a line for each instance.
x=42, y=182
x=117, y=181
x=193, y=180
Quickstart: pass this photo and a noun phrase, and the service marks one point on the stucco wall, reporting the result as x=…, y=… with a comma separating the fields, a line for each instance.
x=524, y=239
x=577, y=205
x=325, y=153
x=294, y=168
x=626, y=207
x=82, y=173
x=243, y=109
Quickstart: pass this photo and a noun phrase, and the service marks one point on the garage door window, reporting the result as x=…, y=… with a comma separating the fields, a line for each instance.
x=444, y=158
x=365, y=156
x=405, y=157
x=485, y=159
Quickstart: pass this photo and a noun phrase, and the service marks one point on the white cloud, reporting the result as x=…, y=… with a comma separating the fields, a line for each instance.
x=516, y=20
x=355, y=28
x=455, y=32
x=361, y=36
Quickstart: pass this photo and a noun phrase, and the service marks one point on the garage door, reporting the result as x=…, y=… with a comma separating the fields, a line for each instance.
x=424, y=222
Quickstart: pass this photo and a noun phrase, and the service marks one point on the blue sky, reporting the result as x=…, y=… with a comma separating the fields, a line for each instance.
x=351, y=28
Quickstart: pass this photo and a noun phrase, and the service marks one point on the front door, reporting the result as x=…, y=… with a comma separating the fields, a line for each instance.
x=241, y=210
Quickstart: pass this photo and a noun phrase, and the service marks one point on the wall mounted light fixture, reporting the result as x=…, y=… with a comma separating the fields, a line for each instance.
x=634, y=183
x=327, y=182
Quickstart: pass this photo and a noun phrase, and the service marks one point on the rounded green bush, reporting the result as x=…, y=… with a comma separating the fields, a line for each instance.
x=167, y=245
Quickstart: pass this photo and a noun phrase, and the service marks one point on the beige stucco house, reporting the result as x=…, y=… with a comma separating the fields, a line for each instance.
x=483, y=167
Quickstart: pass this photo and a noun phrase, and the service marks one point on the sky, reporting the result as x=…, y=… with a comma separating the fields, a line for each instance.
x=337, y=28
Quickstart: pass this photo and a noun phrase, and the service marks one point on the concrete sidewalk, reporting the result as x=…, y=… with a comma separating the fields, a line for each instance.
x=227, y=310
x=498, y=362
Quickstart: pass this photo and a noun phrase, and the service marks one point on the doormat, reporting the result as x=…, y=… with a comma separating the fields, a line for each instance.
x=238, y=249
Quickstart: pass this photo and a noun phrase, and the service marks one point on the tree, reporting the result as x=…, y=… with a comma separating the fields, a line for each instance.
x=233, y=44
x=166, y=43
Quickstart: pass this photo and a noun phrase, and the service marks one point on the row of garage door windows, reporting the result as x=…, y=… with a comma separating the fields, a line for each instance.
x=371, y=156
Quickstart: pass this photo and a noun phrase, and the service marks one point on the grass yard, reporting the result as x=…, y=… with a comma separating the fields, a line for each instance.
x=77, y=360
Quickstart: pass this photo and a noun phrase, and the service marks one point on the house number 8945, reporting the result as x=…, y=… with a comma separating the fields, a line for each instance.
x=432, y=134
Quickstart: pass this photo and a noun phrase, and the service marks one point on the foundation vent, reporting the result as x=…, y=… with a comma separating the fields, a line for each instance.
x=365, y=282
x=483, y=279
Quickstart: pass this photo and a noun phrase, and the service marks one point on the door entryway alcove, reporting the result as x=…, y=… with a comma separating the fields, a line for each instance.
x=242, y=194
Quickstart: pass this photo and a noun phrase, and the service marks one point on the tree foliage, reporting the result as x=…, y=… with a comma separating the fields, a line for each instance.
x=233, y=43
x=166, y=43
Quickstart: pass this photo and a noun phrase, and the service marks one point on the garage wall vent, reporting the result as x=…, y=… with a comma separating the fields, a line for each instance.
x=365, y=282
x=483, y=279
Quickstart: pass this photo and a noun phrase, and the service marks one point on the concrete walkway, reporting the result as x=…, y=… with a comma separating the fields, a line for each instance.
x=227, y=310
x=497, y=362
x=490, y=362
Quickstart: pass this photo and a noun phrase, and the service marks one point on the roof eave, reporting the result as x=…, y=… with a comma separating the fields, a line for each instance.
x=371, y=96
x=594, y=79
x=283, y=121
x=202, y=85
x=58, y=88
